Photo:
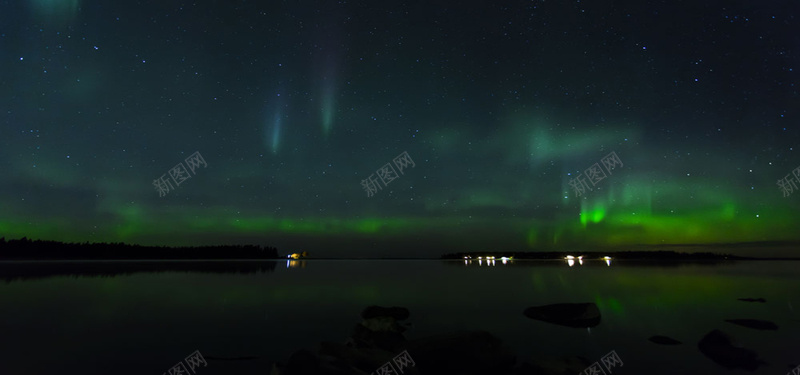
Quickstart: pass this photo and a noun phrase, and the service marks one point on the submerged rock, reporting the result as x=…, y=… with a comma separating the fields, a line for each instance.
x=363, y=337
x=752, y=300
x=383, y=324
x=304, y=362
x=378, y=332
x=380, y=328
x=763, y=325
x=363, y=359
x=664, y=340
x=377, y=341
x=398, y=313
x=720, y=348
x=578, y=315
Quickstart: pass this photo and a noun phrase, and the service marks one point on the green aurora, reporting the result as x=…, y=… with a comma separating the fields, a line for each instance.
x=498, y=120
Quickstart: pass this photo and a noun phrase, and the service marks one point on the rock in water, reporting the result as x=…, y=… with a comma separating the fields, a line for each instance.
x=383, y=324
x=398, y=313
x=720, y=348
x=664, y=340
x=752, y=300
x=578, y=315
x=380, y=328
x=364, y=359
x=304, y=362
x=763, y=325
x=364, y=337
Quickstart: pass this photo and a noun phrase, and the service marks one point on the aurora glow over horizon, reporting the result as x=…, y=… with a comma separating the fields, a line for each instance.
x=499, y=105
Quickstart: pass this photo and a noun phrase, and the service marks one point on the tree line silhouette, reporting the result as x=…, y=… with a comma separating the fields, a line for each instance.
x=25, y=249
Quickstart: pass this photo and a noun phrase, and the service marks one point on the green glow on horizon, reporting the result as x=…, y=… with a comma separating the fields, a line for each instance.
x=601, y=222
x=132, y=216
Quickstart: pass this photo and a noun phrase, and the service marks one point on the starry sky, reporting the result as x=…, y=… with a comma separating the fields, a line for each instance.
x=500, y=105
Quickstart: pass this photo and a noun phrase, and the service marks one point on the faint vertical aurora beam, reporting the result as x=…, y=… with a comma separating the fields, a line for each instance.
x=328, y=106
x=272, y=139
x=327, y=63
x=276, y=132
x=55, y=11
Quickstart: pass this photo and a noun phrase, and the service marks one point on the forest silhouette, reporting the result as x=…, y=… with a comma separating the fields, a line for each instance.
x=25, y=249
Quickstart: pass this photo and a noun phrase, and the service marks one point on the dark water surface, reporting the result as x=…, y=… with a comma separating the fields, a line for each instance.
x=144, y=317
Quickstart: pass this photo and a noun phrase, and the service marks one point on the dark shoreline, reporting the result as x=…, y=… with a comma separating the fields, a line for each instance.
x=559, y=259
x=25, y=249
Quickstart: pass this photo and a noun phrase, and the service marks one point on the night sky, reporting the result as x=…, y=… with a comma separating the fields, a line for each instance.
x=500, y=105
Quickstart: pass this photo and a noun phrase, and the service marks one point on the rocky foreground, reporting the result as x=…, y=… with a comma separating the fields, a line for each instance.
x=379, y=339
x=377, y=343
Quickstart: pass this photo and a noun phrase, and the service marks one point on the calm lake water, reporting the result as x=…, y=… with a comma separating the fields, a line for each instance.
x=136, y=318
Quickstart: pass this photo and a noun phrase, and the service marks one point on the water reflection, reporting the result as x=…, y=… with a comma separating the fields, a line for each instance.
x=22, y=270
x=571, y=260
x=295, y=264
x=279, y=309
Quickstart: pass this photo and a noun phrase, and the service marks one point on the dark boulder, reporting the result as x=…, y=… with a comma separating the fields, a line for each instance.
x=380, y=328
x=378, y=341
x=752, y=300
x=388, y=340
x=398, y=313
x=363, y=359
x=720, y=348
x=304, y=362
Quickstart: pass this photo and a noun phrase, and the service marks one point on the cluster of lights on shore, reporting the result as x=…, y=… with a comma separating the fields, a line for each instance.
x=571, y=260
x=490, y=260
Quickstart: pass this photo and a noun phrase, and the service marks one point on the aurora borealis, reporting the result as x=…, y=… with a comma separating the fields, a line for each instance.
x=499, y=104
